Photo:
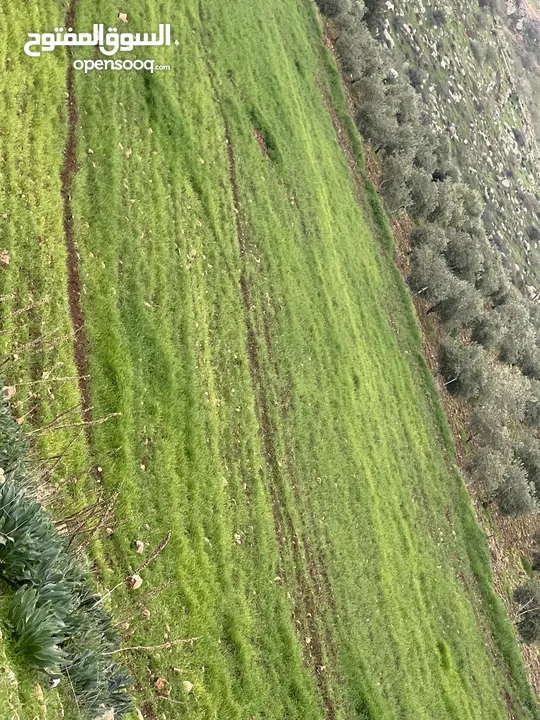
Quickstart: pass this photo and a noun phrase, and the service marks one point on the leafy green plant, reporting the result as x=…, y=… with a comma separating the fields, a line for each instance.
x=57, y=623
x=37, y=630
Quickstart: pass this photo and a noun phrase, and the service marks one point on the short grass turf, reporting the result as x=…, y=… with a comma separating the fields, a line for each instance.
x=243, y=314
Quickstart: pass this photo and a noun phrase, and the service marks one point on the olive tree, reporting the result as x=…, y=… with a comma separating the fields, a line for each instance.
x=465, y=368
x=464, y=256
x=528, y=453
x=430, y=235
x=424, y=193
x=492, y=280
x=430, y=276
x=462, y=308
x=487, y=466
x=515, y=496
x=514, y=315
x=333, y=8
x=487, y=329
x=507, y=394
x=487, y=428
x=395, y=172
x=530, y=360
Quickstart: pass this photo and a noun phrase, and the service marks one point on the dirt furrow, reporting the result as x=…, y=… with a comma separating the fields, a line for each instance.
x=67, y=175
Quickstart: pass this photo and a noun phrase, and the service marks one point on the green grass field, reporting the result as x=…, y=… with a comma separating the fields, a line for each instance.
x=243, y=314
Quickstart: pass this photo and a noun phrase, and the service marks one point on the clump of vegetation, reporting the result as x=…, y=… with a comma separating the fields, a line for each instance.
x=57, y=620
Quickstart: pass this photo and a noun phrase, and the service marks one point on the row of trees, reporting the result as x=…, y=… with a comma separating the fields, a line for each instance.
x=491, y=356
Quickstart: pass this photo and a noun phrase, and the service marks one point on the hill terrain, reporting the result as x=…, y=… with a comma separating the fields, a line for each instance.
x=202, y=318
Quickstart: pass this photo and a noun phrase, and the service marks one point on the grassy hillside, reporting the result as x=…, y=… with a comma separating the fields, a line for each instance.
x=240, y=310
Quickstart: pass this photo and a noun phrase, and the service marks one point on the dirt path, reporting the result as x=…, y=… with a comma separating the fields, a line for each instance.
x=67, y=176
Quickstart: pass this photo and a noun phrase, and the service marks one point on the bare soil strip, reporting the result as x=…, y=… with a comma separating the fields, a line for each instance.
x=74, y=281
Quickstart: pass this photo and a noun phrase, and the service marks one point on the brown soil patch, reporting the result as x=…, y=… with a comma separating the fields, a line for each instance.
x=74, y=281
x=373, y=169
x=148, y=711
x=402, y=228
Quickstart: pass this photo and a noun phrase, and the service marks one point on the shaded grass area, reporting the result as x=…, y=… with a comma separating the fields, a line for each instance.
x=244, y=316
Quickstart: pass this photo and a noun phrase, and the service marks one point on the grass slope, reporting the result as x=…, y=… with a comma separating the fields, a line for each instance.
x=243, y=314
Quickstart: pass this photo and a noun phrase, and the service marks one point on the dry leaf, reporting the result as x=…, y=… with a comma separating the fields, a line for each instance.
x=146, y=613
x=90, y=151
x=188, y=687
x=140, y=546
x=4, y=257
x=134, y=582
x=162, y=686
x=9, y=391
x=123, y=17
x=129, y=152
